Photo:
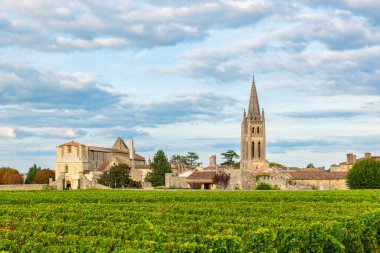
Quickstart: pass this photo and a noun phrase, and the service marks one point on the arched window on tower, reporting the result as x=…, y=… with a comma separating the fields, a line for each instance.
x=253, y=130
x=258, y=130
x=259, y=149
x=253, y=150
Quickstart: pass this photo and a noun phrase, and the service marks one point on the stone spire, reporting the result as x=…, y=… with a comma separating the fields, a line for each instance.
x=254, y=108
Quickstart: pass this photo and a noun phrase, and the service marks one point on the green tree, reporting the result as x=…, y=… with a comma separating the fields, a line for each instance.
x=118, y=176
x=160, y=165
x=273, y=164
x=179, y=159
x=192, y=158
x=229, y=157
x=365, y=174
x=32, y=174
x=310, y=165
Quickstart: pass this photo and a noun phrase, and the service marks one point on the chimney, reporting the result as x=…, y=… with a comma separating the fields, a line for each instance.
x=350, y=159
x=132, y=150
x=367, y=155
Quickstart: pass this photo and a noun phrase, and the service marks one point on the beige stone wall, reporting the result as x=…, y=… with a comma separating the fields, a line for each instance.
x=24, y=187
x=325, y=184
x=173, y=181
x=286, y=184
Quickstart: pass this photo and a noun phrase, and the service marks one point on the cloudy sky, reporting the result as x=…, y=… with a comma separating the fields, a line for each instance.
x=176, y=75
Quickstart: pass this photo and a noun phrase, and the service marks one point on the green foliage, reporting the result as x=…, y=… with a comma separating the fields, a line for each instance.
x=212, y=221
x=258, y=176
x=310, y=165
x=264, y=186
x=229, y=157
x=365, y=174
x=192, y=158
x=273, y=164
x=118, y=176
x=32, y=173
x=179, y=159
x=160, y=166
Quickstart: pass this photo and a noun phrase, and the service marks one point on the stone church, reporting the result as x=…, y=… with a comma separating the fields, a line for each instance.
x=253, y=141
x=79, y=166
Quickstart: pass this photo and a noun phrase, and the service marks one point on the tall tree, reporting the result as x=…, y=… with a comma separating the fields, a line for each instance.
x=31, y=174
x=310, y=165
x=160, y=166
x=42, y=176
x=179, y=159
x=10, y=176
x=229, y=157
x=118, y=176
x=365, y=174
x=192, y=158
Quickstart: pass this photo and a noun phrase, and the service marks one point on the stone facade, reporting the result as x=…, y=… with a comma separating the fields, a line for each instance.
x=307, y=180
x=79, y=166
x=253, y=138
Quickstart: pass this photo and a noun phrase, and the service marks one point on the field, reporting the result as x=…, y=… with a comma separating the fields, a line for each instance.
x=189, y=221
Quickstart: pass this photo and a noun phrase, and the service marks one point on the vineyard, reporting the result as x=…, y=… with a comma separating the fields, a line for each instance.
x=189, y=221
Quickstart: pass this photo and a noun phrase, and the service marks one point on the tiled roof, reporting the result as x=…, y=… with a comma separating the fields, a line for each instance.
x=112, y=150
x=201, y=177
x=311, y=175
x=71, y=143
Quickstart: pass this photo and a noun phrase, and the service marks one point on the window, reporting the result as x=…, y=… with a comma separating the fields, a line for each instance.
x=259, y=149
x=253, y=150
x=253, y=130
x=258, y=130
x=69, y=149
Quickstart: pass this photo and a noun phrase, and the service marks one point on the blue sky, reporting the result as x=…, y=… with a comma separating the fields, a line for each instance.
x=176, y=75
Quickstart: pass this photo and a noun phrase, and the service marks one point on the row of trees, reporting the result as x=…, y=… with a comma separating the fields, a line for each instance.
x=192, y=158
x=36, y=175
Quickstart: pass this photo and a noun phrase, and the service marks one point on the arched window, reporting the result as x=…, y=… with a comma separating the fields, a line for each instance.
x=253, y=130
x=258, y=130
x=253, y=150
x=259, y=149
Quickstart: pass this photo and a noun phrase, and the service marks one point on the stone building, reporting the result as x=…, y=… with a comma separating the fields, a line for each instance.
x=349, y=163
x=79, y=166
x=253, y=139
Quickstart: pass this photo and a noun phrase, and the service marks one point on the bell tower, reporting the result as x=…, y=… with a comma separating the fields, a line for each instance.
x=253, y=141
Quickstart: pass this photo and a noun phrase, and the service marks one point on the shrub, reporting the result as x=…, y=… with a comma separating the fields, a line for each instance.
x=365, y=174
x=264, y=186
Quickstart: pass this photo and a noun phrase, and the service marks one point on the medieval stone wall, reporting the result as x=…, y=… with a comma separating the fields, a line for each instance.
x=24, y=187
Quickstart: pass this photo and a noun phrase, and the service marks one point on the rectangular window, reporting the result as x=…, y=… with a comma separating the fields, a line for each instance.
x=253, y=150
x=69, y=149
x=259, y=149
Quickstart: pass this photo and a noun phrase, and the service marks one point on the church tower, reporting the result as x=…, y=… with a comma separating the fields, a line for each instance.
x=253, y=142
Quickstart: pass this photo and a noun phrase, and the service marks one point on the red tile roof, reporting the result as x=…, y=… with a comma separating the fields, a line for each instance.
x=312, y=175
x=201, y=177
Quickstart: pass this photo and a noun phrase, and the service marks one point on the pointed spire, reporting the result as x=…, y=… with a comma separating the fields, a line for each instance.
x=253, y=108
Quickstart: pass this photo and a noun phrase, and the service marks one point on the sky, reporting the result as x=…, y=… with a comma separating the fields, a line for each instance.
x=176, y=75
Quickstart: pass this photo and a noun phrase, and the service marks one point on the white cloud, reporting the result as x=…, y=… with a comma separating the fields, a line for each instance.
x=7, y=132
